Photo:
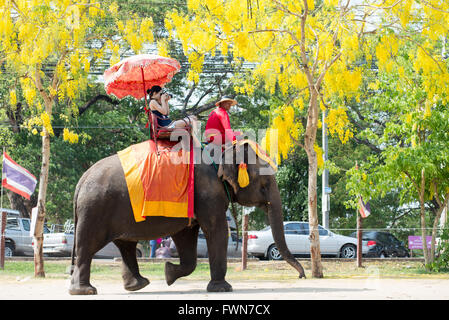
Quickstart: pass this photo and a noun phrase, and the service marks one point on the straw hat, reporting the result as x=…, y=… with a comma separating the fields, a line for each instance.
x=234, y=102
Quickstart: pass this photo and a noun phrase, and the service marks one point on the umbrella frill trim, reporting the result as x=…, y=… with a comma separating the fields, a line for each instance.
x=132, y=68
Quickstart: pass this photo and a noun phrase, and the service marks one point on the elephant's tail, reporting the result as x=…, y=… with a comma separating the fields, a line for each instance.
x=75, y=219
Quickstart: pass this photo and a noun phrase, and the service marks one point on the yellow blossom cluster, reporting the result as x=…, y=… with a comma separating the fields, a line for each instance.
x=270, y=142
x=269, y=34
x=386, y=50
x=319, y=156
x=42, y=121
x=436, y=11
x=115, y=52
x=32, y=123
x=422, y=47
x=29, y=90
x=70, y=136
x=433, y=71
x=12, y=98
x=46, y=123
x=113, y=9
x=136, y=32
x=342, y=81
x=338, y=124
x=196, y=63
x=285, y=129
x=162, y=48
x=68, y=35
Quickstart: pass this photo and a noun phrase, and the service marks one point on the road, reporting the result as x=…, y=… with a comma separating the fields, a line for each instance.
x=310, y=289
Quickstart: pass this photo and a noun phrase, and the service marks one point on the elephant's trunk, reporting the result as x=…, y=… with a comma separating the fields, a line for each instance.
x=275, y=216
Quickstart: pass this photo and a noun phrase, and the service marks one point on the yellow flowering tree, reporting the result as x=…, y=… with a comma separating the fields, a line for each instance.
x=52, y=46
x=411, y=103
x=304, y=49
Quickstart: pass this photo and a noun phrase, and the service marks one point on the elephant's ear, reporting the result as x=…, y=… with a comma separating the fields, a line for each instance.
x=228, y=170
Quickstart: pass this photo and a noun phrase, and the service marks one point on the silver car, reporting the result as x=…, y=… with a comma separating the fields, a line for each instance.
x=202, y=247
x=232, y=246
x=261, y=243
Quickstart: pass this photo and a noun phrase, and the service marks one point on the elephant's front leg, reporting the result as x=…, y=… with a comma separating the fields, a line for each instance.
x=217, y=246
x=186, y=244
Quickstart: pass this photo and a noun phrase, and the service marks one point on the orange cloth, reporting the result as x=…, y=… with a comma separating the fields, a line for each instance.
x=158, y=185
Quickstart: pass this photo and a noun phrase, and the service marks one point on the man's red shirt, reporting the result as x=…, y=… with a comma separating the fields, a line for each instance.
x=219, y=123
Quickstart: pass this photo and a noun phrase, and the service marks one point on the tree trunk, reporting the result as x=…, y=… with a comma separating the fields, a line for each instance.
x=309, y=142
x=423, y=220
x=21, y=204
x=39, y=231
x=43, y=181
x=423, y=234
x=441, y=207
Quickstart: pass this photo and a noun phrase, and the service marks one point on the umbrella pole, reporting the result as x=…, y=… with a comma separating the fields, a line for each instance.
x=150, y=116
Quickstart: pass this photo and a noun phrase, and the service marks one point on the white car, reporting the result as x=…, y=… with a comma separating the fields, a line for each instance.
x=261, y=243
x=61, y=244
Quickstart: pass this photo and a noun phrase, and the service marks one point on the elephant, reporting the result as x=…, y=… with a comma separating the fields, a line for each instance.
x=103, y=213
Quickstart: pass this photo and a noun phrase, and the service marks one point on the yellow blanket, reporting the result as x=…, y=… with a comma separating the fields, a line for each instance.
x=158, y=185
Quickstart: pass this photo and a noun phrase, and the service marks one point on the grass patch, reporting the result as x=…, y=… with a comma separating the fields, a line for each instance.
x=256, y=270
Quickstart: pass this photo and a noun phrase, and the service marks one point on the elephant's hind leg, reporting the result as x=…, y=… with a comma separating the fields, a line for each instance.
x=132, y=279
x=186, y=243
x=80, y=280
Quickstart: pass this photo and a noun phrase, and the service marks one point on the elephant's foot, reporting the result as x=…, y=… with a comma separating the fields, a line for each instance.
x=82, y=290
x=134, y=284
x=173, y=271
x=170, y=273
x=219, y=286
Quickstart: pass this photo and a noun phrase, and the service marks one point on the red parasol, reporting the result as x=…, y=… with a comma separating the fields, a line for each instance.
x=131, y=76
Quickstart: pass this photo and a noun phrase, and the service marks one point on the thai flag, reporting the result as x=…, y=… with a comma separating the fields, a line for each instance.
x=17, y=178
x=364, y=208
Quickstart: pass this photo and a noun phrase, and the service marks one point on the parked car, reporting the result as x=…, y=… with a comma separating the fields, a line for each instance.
x=383, y=244
x=261, y=243
x=202, y=246
x=60, y=245
x=232, y=244
x=17, y=236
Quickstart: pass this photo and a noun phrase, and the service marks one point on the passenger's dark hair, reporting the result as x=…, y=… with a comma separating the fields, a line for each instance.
x=154, y=89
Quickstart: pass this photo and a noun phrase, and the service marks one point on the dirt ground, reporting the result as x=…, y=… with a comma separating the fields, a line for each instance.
x=370, y=288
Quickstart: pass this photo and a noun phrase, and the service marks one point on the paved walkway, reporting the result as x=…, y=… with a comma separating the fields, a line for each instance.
x=309, y=289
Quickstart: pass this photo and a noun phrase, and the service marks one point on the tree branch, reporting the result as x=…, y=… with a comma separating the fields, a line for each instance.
x=108, y=99
x=186, y=100
x=281, y=7
x=197, y=111
x=413, y=180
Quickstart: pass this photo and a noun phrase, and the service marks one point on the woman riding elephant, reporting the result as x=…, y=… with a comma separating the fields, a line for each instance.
x=103, y=213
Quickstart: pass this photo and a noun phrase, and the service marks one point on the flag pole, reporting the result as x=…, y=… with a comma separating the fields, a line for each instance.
x=359, y=240
x=1, y=196
x=359, y=231
x=2, y=225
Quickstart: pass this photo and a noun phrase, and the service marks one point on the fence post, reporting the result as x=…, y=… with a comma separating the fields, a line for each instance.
x=245, y=241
